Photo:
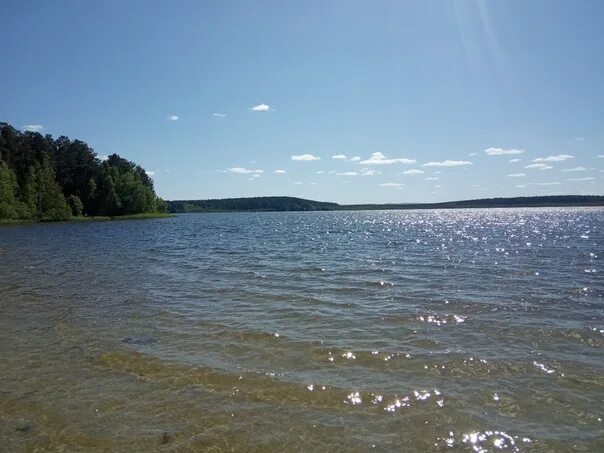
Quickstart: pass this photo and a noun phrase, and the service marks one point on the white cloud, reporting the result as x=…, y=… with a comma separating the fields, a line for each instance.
x=515, y=160
x=432, y=178
x=261, y=108
x=557, y=158
x=437, y=187
x=539, y=166
x=379, y=159
x=392, y=184
x=369, y=172
x=473, y=154
x=413, y=172
x=339, y=157
x=357, y=158
x=280, y=172
x=256, y=175
x=502, y=151
x=103, y=158
x=173, y=118
x=305, y=157
x=33, y=128
x=575, y=169
x=448, y=163
x=320, y=172
x=362, y=172
x=586, y=178
x=150, y=173
x=298, y=183
x=520, y=186
x=601, y=156
x=555, y=183
x=244, y=171
x=579, y=139
x=219, y=115
x=516, y=175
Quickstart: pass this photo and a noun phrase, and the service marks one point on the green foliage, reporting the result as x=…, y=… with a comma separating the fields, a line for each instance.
x=8, y=192
x=42, y=178
x=76, y=205
x=52, y=204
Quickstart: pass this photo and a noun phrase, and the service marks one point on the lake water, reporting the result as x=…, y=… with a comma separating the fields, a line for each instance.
x=462, y=330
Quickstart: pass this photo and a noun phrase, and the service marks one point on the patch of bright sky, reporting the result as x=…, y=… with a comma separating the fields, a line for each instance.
x=194, y=89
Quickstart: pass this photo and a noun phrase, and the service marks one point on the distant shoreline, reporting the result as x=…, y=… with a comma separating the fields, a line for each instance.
x=85, y=219
x=280, y=204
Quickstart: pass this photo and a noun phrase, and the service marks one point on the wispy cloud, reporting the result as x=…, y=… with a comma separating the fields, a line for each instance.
x=33, y=128
x=361, y=172
x=305, y=157
x=473, y=154
x=448, y=163
x=280, y=172
x=150, y=173
x=261, y=108
x=514, y=160
x=244, y=171
x=557, y=158
x=219, y=115
x=298, y=183
x=539, y=166
x=554, y=183
x=339, y=157
x=586, y=178
x=357, y=158
x=369, y=172
x=394, y=185
x=431, y=178
x=413, y=172
x=516, y=175
x=575, y=169
x=502, y=151
x=601, y=156
x=379, y=159
x=103, y=158
x=173, y=118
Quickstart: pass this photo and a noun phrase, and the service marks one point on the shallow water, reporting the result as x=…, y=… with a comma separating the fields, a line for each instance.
x=469, y=330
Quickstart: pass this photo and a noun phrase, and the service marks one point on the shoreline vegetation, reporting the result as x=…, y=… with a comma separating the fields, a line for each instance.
x=275, y=204
x=86, y=219
x=46, y=179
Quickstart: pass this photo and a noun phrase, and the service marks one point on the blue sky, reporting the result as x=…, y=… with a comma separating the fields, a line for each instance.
x=427, y=100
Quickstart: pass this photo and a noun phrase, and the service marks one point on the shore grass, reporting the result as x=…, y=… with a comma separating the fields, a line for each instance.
x=141, y=216
x=144, y=215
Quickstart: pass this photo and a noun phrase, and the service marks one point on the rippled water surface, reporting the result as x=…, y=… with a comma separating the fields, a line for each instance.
x=467, y=330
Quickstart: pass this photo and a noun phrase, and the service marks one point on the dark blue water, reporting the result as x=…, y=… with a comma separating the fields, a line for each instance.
x=477, y=330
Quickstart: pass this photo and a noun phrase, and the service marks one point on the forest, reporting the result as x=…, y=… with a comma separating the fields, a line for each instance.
x=300, y=204
x=44, y=179
x=250, y=204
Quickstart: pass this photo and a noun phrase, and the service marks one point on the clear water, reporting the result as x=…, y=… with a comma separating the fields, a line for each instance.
x=469, y=330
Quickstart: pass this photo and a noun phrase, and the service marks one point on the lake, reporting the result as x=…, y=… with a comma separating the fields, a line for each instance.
x=463, y=330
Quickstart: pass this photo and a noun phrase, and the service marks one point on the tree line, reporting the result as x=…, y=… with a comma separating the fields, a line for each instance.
x=42, y=178
x=250, y=204
x=300, y=204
